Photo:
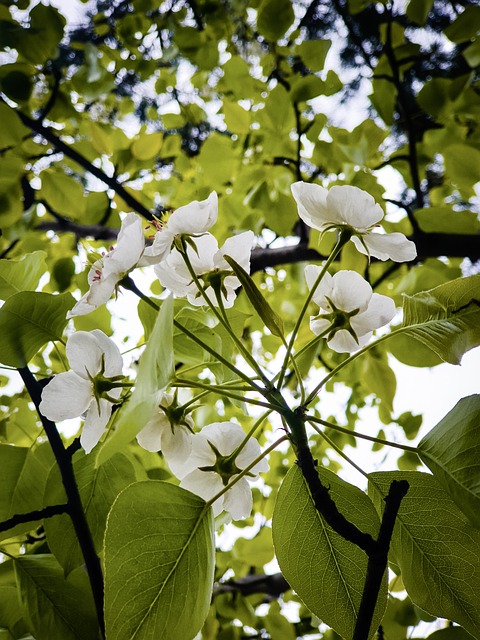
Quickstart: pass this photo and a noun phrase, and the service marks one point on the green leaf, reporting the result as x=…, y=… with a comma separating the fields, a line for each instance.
x=446, y=220
x=28, y=320
x=155, y=370
x=418, y=10
x=98, y=489
x=326, y=571
x=272, y=320
x=465, y=26
x=12, y=129
x=23, y=476
x=63, y=193
x=462, y=166
x=435, y=548
x=11, y=615
x=446, y=319
x=21, y=275
x=378, y=378
x=274, y=18
x=165, y=591
x=313, y=53
x=451, y=450
x=53, y=606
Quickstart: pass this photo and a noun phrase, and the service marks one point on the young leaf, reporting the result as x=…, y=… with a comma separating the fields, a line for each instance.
x=451, y=450
x=448, y=317
x=326, y=571
x=98, y=489
x=435, y=548
x=21, y=275
x=164, y=591
x=28, y=320
x=272, y=320
x=155, y=370
x=55, y=607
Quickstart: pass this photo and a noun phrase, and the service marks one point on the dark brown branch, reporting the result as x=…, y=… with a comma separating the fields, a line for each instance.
x=74, y=502
x=41, y=514
x=377, y=561
x=64, y=148
x=271, y=585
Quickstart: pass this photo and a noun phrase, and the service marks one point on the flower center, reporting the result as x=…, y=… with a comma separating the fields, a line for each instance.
x=225, y=466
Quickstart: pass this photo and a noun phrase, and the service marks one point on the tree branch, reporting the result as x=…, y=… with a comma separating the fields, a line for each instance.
x=41, y=514
x=271, y=585
x=74, y=503
x=64, y=148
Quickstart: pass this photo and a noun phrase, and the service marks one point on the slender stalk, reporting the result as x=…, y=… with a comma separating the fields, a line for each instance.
x=342, y=239
x=74, y=502
x=336, y=427
x=222, y=392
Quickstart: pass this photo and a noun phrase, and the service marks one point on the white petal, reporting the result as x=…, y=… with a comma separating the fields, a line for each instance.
x=95, y=423
x=99, y=293
x=248, y=454
x=324, y=289
x=390, y=246
x=311, y=201
x=150, y=437
x=66, y=396
x=225, y=436
x=205, y=484
x=173, y=274
x=380, y=311
x=344, y=342
x=159, y=249
x=202, y=258
x=196, y=217
x=318, y=325
x=113, y=358
x=129, y=248
x=177, y=449
x=239, y=248
x=350, y=291
x=84, y=353
x=238, y=500
x=353, y=206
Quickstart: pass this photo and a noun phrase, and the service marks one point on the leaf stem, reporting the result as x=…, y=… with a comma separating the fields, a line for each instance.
x=221, y=391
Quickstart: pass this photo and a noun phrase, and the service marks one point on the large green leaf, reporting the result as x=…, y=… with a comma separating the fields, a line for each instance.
x=446, y=319
x=21, y=275
x=451, y=450
x=11, y=615
x=435, y=548
x=274, y=17
x=23, y=475
x=98, y=489
x=164, y=591
x=28, y=320
x=55, y=607
x=326, y=571
x=155, y=370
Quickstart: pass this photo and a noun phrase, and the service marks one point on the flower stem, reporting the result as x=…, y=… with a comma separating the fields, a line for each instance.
x=221, y=391
x=336, y=427
x=335, y=251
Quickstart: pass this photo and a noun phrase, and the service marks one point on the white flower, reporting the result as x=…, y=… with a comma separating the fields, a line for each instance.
x=346, y=207
x=213, y=470
x=96, y=362
x=106, y=272
x=348, y=308
x=209, y=265
x=192, y=219
x=169, y=433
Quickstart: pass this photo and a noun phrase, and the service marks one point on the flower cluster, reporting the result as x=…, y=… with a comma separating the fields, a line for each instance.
x=218, y=461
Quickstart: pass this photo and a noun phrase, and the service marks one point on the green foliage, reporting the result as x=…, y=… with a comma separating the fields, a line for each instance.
x=325, y=570
x=431, y=532
x=451, y=451
x=166, y=591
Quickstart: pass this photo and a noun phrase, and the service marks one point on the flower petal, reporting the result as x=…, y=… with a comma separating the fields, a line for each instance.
x=350, y=291
x=239, y=248
x=344, y=342
x=99, y=293
x=353, y=206
x=113, y=358
x=96, y=420
x=391, y=246
x=380, y=311
x=238, y=500
x=205, y=484
x=177, y=449
x=311, y=201
x=84, y=353
x=159, y=249
x=66, y=396
x=129, y=248
x=195, y=217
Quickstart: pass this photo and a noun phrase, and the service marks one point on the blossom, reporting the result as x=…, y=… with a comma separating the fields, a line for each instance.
x=209, y=265
x=347, y=207
x=214, y=469
x=92, y=386
x=170, y=431
x=107, y=271
x=349, y=310
x=192, y=219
